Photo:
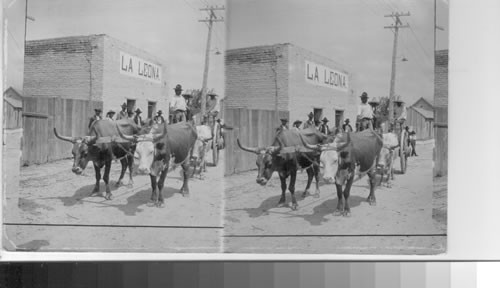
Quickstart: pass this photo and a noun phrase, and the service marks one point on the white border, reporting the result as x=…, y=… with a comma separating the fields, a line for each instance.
x=474, y=138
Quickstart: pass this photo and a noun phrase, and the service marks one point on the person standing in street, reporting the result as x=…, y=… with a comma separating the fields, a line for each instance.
x=137, y=117
x=310, y=122
x=158, y=119
x=323, y=128
x=123, y=114
x=95, y=117
x=110, y=115
x=347, y=127
x=283, y=125
x=413, y=141
x=296, y=125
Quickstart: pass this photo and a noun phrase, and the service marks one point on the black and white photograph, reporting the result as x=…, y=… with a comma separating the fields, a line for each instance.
x=338, y=139
x=238, y=126
x=112, y=126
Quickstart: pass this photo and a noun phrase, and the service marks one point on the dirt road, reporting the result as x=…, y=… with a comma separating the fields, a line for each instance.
x=401, y=223
x=52, y=211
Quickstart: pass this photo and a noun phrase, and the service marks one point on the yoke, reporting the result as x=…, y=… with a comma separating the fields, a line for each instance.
x=111, y=139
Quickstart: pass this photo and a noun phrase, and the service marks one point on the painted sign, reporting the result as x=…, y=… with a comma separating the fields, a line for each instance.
x=320, y=75
x=139, y=68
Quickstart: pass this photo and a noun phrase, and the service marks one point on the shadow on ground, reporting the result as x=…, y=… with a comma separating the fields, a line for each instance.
x=320, y=212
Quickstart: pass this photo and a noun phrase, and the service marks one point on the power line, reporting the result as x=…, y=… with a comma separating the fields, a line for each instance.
x=386, y=7
x=418, y=41
x=192, y=7
x=370, y=8
x=392, y=5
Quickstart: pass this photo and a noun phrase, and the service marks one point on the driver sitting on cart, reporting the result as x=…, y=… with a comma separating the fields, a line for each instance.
x=399, y=115
x=212, y=106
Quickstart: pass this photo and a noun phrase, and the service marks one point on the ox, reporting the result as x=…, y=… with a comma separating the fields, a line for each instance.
x=350, y=154
x=270, y=159
x=201, y=148
x=388, y=155
x=102, y=153
x=156, y=151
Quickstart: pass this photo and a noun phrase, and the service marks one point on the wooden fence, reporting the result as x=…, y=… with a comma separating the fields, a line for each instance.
x=40, y=115
x=441, y=146
x=253, y=128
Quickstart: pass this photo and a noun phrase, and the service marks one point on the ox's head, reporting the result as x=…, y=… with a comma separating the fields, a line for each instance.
x=332, y=159
x=199, y=150
x=146, y=150
x=266, y=161
x=80, y=151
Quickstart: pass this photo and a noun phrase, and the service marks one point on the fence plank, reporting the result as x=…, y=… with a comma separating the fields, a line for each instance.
x=66, y=115
x=252, y=128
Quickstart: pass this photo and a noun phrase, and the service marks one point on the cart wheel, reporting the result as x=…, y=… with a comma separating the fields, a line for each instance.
x=403, y=156
x=215, y=149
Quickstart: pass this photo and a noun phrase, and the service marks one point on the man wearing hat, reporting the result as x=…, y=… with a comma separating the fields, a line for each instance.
x=283, y=125
x=412, y=139
x=365, y=114
x=123, y=114
x=110, y=115
x=212, y=105
x=400, y=113
x=95, y=117
x=317, y=124
x=323, y=128
x=310, y=122
x=296, y=125
x=178, y=105
x=347, y=127
x=159, y=118
x=137, y=117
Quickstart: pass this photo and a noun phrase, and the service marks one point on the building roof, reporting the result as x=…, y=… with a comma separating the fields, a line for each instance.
x=12, y=97
x=424, y=99
x=426, y=113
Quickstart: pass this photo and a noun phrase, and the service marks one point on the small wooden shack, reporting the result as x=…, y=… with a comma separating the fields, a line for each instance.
x=12, y=109
x=420, y=116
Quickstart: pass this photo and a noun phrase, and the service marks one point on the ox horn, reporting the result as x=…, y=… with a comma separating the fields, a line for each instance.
x=158, y=137
x=64, y=138
x=248, y=149
x=346, y=143
x=126, y=137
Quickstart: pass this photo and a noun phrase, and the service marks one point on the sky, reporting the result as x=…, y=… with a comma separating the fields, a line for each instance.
x=352, y=33
x=168, y=30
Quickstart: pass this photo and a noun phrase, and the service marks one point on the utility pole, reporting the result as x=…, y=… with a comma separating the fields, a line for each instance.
x=213, y=18
x=396, y=26
x=436, y=27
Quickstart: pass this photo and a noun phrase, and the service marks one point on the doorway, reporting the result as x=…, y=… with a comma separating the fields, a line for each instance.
x=339, y=117
x=318, y=112
x=151, y=109
x=130, y=105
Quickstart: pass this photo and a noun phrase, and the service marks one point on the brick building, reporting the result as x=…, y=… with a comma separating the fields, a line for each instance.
x=295, y=80
x=97, y=68
x=441, y=112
